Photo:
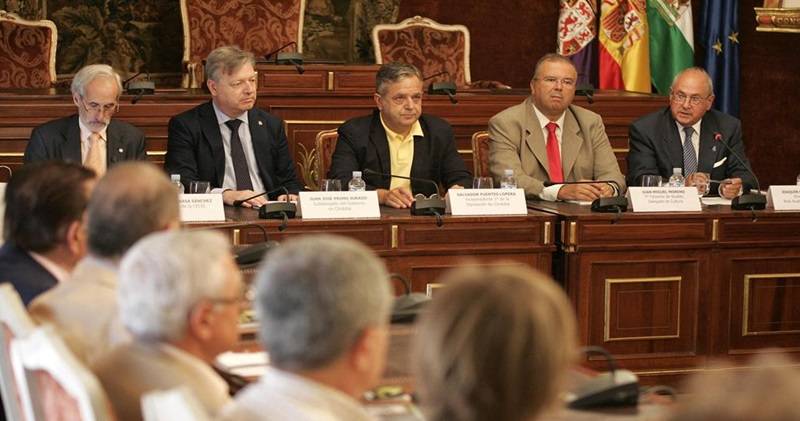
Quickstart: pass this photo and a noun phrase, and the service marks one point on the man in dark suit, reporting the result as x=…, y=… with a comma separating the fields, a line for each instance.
x=239, y=149
x=687, y=135
x=43, y=225
x=90, y=137
x=398, y=139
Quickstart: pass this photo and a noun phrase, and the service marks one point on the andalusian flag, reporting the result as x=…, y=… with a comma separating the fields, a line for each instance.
x=671, y=40
x=577, y=31
x=624, y=46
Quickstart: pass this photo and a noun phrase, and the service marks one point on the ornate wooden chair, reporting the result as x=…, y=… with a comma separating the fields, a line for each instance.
x=53, y=384
x=14, y=323
x=258, y=26
x=27, y=52
x=431, y=47
x=173, y=404
x=325, y=145
x=480, y=154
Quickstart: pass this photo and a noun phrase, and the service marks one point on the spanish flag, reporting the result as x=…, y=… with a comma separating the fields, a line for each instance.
x=624, y=58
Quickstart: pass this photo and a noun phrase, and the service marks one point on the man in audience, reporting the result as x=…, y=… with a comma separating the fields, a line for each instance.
x=131, y=201
x=43, y=226
x=546, y=139
x=687, y=135
x=91, y=137
x=323, y=304
x=239, y=149
x=179, y=297
x=398, y=139
x=495, y=344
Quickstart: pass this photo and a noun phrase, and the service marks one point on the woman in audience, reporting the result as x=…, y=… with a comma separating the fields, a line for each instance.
x=495, y=344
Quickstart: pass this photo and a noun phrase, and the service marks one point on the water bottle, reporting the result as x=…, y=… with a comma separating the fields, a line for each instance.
x=508, y=181
x=176, y=181
x=356, y=183
x=676, y=180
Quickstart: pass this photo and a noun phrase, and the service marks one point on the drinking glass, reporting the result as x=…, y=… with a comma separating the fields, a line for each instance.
x=482, y=183
x=650, y=180
x=199, y=187
x=331, y=185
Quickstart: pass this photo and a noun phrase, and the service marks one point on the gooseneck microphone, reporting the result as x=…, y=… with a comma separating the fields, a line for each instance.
x=293, y=58
x=238, y=203
x=747, y=201
x=433, y=205
x=617, y=203
x=442, y=88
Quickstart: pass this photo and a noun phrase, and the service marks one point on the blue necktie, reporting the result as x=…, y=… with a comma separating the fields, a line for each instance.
x=689, y=155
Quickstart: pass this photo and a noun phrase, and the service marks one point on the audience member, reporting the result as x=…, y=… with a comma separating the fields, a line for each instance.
x=131, y=201
x=91, y=137
x=547, y=139
x=323, y=303
x=179, y=297
x=43, y=225
x=398, y=139
x=495, y=344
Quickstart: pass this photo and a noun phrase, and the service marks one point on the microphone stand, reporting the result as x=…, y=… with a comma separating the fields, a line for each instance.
x=747, y=201
x=433, y=205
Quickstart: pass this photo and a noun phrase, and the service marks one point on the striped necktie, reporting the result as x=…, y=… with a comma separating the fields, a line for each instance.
x=689, y=155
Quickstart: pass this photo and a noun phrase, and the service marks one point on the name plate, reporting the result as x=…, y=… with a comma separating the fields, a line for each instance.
x=664, y=199
x=784, y=197
x=475, y=202
x=201, y=207
x=339, y=204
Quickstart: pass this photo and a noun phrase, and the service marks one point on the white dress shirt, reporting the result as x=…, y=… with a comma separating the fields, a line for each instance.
x=229, y=181
x=695, y=138
x=85, y=142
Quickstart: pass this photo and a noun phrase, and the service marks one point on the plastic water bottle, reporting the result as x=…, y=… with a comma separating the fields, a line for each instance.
x=676, y=180
x=508, y=181
x=356, y=183
x=176, y=181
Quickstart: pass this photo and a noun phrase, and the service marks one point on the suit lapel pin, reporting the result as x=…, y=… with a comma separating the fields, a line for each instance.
x=260, y=123
x=714, y=148
x=120, y=150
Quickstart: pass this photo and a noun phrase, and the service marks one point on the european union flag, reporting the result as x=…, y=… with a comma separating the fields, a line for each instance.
x=719, y=34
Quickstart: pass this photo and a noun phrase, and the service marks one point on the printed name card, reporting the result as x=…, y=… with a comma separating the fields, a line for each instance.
x=664, y=199
x=201, y=207
x=476, y=202
x=339, y=204
x=784, y=197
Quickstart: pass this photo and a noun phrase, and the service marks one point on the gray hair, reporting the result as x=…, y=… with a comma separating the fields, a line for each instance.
x=695, y=69
x=164, y=276
x=91, y=72
x=132, y=200
x=315, y=295
x=392, y=72
x=226, y=59
x=551, y=58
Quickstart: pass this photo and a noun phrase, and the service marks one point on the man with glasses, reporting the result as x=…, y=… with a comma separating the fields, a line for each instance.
x=239, y=149
x=546, y=139
x=686, y=135
x=91, y=137
x=398, y=139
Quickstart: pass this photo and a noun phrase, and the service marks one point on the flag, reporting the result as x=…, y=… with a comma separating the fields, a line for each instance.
x=720, y=38
x=577, y=31
x=671, y=40
x=624, y=46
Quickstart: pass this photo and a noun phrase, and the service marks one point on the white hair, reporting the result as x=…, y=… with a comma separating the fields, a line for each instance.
x=315, y=295
x=698, y=70
x=163, y=276
x=91, y=72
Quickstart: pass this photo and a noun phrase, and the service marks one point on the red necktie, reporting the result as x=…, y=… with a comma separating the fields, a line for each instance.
x=553, y=154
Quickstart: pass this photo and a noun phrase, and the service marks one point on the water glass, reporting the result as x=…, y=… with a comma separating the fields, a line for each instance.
x=650, y=180
x=331, y=185
x=482, y=183
x=199, y=187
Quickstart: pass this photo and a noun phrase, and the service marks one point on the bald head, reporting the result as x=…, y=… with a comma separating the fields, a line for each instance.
x=132, y=200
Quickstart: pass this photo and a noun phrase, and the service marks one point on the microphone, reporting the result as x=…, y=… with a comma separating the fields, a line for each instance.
x=747, y=201
x=442, y=88
x=586, y=90
x=139, y=88
x=616, y=203
x=238, y=203
x=406, y=307
x=294, y=58
x=433, y=205
x=615, y=388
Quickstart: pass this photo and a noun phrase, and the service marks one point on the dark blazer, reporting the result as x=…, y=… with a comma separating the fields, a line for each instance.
x=61, y=139
x=655, y=148
x=195, y=151
x=363, y=144
x=27, y=276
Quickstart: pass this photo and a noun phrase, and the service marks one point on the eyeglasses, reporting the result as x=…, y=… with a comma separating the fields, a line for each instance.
x=680, y=97
x=99, y=108
x=241, y=83
x=402, y=99
x=567, y=82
